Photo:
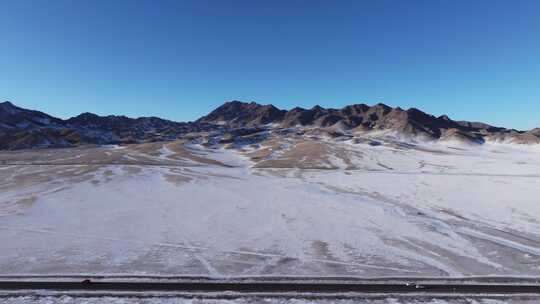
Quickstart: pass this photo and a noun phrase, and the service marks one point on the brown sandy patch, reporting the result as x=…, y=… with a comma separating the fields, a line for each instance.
x=131, y=170
x=181, y=152
x=29, y=179
x=27, y=202
x=321, y=250
x=304, y=155
x=268, y=147
x=176, y=179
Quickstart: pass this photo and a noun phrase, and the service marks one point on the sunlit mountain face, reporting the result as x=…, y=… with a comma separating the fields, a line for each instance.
x=27, y=129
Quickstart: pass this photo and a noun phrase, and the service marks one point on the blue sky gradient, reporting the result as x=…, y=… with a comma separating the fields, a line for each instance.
x=473, y=60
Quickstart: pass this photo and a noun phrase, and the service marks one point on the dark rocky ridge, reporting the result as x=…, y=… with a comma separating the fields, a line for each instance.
x=13, y=117
x=21, y=128
x=241, y=114
x=362, y=117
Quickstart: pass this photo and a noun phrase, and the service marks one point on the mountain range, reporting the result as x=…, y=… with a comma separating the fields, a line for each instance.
x=22, y=128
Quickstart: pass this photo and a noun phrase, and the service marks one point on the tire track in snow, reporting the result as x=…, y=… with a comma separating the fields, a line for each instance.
x=500, y=241
x=200, y=248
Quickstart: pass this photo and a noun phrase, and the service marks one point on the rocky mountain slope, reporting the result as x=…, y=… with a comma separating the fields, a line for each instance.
x=21, y=128
x=361, y=118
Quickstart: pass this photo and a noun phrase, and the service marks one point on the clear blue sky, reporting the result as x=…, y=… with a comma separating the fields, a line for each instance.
x=472, y=59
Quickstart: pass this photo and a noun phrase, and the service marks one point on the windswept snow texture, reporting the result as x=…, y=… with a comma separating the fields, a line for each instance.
x=174, y=300
x=301, y=207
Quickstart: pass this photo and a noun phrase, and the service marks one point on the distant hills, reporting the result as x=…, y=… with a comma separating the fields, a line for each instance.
x=22, y=128
x=363, y=118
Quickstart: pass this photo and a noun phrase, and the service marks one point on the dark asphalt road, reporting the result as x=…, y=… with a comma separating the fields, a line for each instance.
x=273, y=287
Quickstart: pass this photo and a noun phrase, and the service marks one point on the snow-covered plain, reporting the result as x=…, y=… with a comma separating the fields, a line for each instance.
x=301, y=208
x=174, y=300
